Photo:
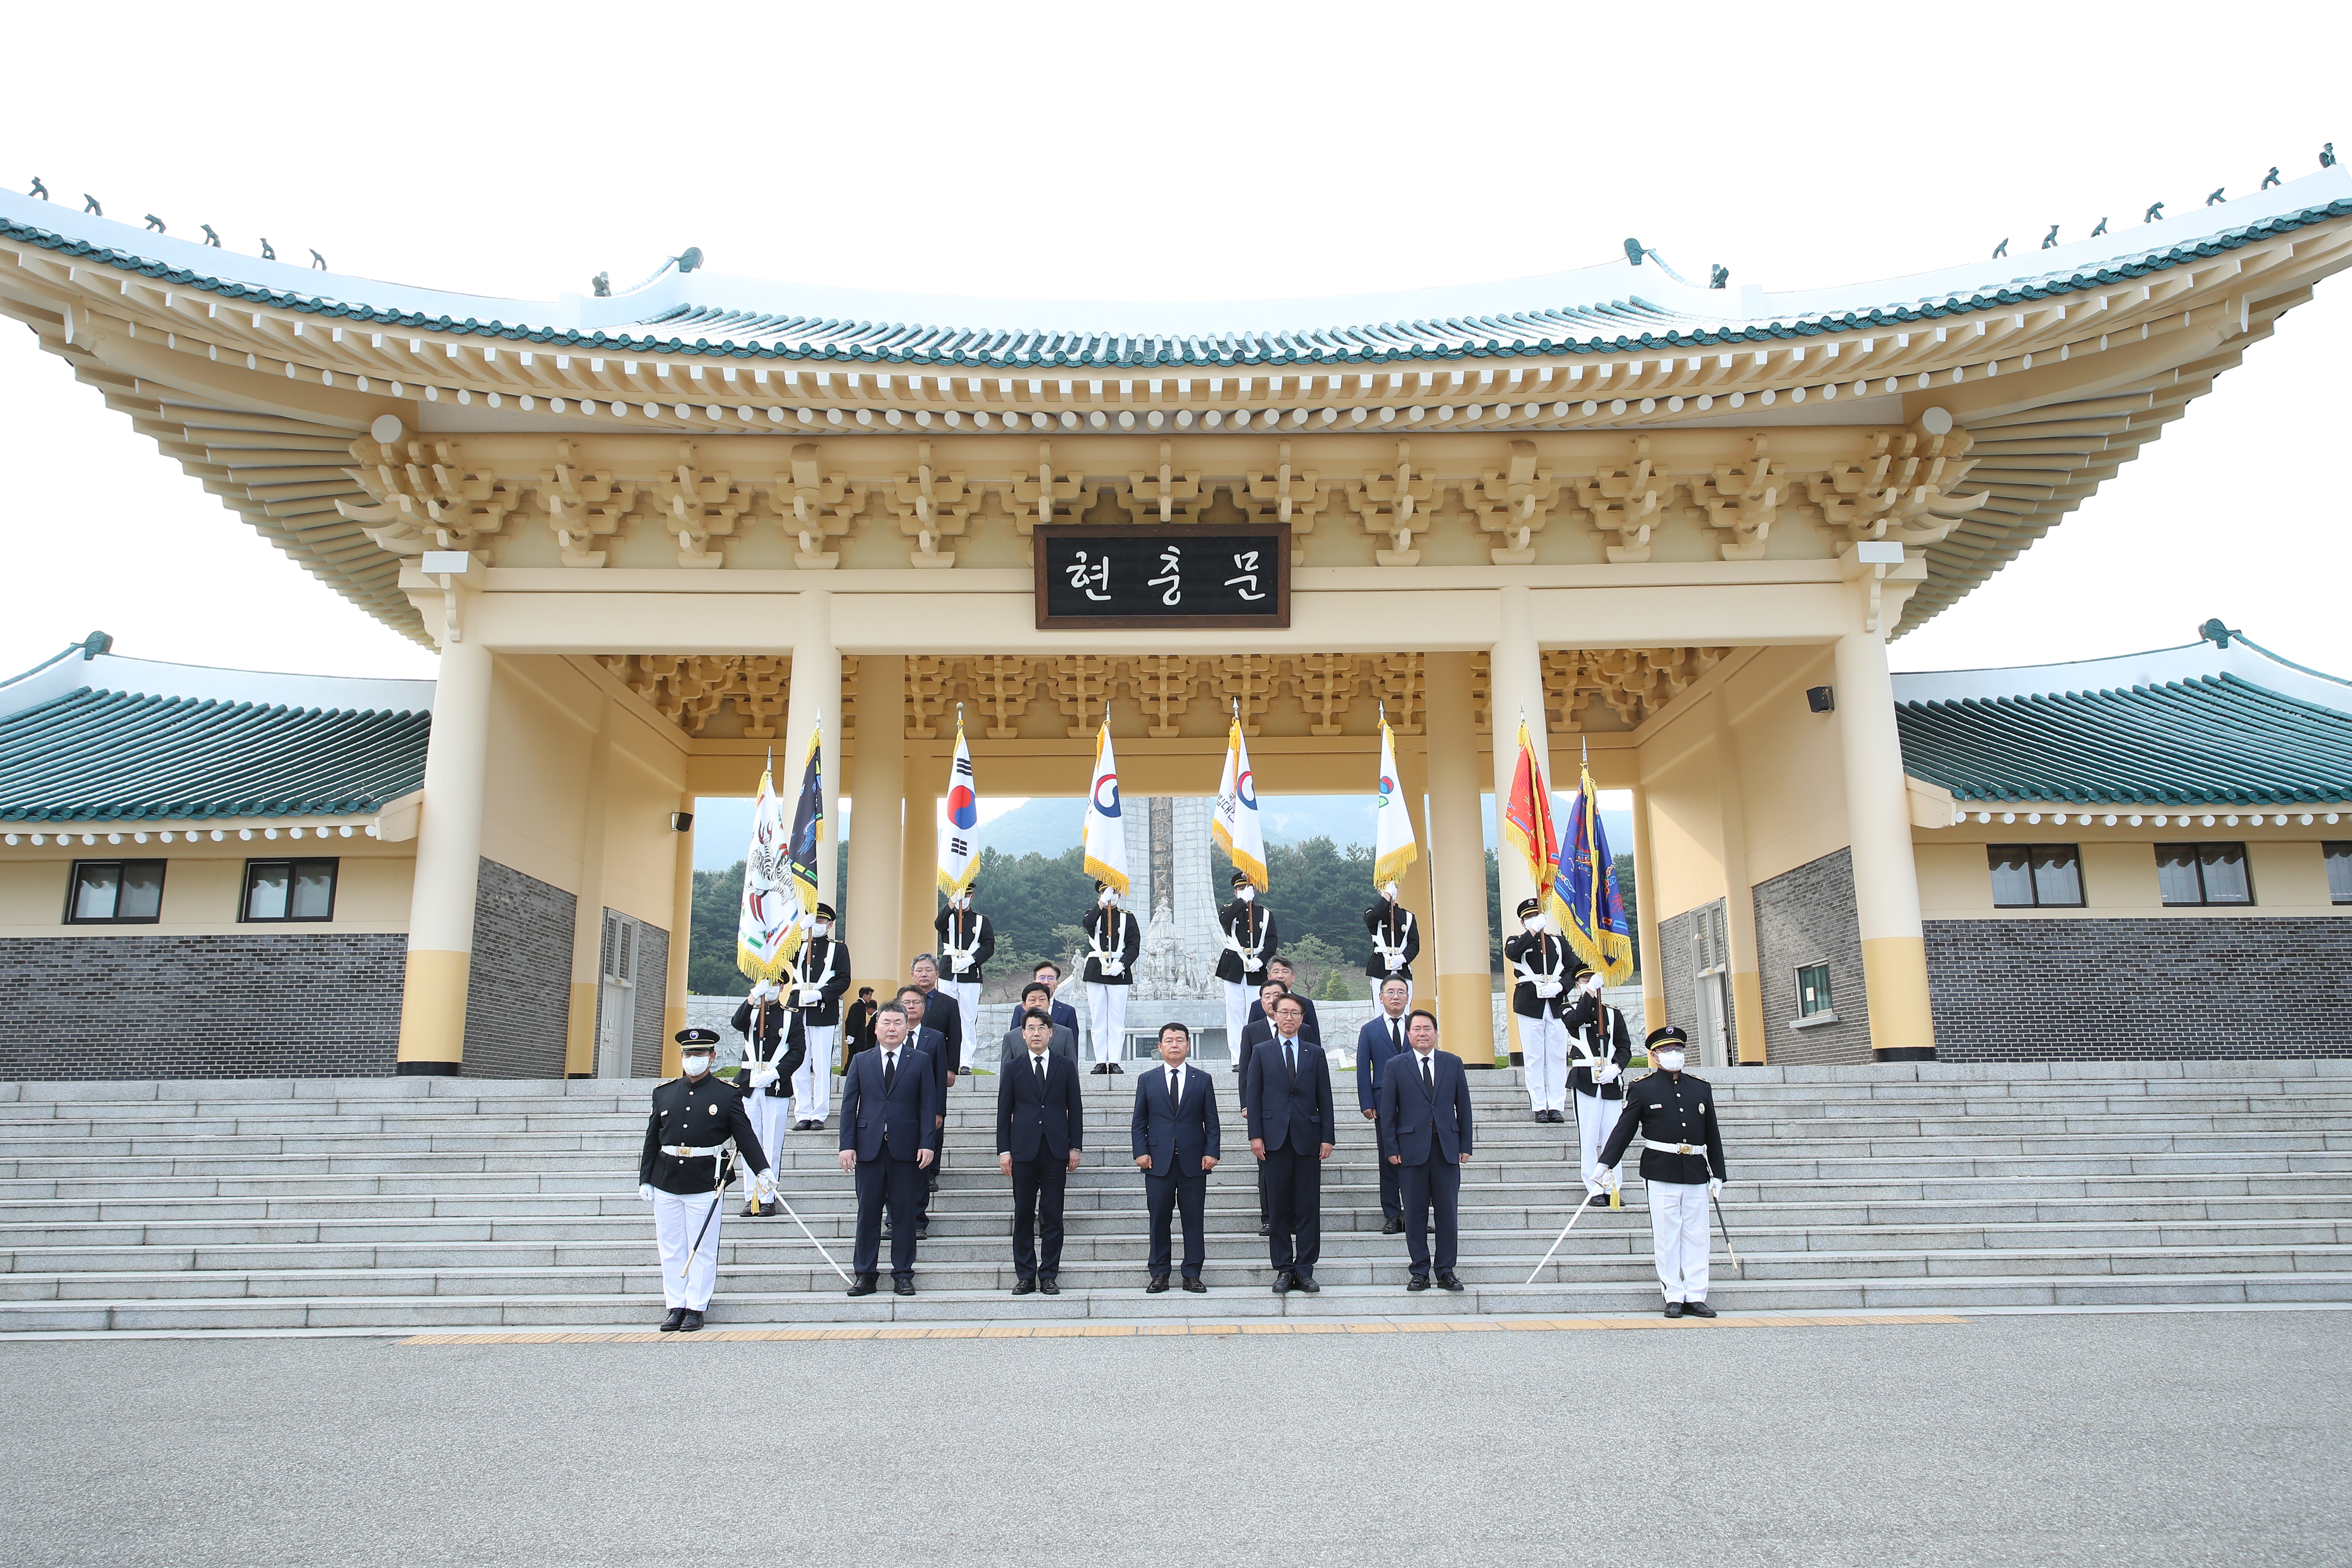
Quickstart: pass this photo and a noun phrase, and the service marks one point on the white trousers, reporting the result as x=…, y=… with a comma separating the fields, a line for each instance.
x=675, y=1219
x=1678, y=1233
x=768, y=1118
x=1107, y=1018
x=1543, y=1047
x=812, y=1085
x=1595, y=1118
x=967, y=1000
x=1238, y=996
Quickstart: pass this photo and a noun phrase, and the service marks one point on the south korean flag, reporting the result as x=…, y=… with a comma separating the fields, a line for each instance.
x=959, y=851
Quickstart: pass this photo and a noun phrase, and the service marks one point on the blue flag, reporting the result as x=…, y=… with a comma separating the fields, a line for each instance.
x=1587, y=887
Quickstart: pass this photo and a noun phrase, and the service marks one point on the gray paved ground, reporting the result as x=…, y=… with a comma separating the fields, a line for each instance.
x=2195, y=1438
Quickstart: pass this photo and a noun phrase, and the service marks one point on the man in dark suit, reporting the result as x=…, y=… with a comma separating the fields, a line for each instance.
x=1041, y=1126
x=890, y=1129
x=1425, y=1138
x=857, y=1024
x=1381, y=1038
x=1280, y=972
x=1062, y=1042
x=1292, y=1128
x=934, y=1050
x=1258, y=1032
x=1176, y=1142
x=939, y=1011
x=1065, y=1016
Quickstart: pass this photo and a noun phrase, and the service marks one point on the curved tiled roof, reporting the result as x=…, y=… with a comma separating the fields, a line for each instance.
x=2208, y=740
x=91, y=755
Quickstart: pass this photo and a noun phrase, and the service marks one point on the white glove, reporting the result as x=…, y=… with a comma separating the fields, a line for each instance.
x=1395, y=964
x=810, y=995
x=645, y=1191
x=1114, y=966
x=1547, y=988
x=762, y=1078
x=1607, y=1072
x=1714, y=1185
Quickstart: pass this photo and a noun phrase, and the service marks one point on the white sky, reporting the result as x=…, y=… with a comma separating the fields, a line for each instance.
x=1211, y=151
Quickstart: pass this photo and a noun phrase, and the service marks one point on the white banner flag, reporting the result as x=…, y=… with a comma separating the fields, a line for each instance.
x=959, y=855
x=1393, y=847
x=1235, y=825
x=1106, y=834
x=770, y=905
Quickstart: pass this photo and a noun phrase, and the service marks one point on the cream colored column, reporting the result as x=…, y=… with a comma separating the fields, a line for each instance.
x=1515, y=692
x=449, y=866
x=1457, y=864
x=1885, y=877
x=588, y=909
x=1739, y=894
x=876, y=788
x=681, y=938
x=1414, y=886
x=918, y=869
x=814, y=699
x=1653, y=968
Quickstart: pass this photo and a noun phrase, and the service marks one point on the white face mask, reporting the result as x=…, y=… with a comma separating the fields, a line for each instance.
x=1247, y=895
x=1534, y=924
x=695, y=1067
x=821, y=928
x=1671, y=1060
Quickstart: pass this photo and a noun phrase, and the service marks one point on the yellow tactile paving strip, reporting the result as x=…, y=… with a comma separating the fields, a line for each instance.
x=1124, y=1331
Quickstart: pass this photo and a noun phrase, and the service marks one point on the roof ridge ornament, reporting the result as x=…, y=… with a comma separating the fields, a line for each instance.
x=2214, y=632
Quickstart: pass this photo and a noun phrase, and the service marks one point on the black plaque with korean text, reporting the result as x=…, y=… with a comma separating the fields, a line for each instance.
x=1164, y=575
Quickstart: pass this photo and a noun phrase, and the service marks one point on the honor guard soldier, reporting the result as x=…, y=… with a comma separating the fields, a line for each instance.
x=1601, y=1048
x=1114, y=938
x=1672, y=1115
x=684, y=1172
x=967, y=939
x=765, y=1076
x=823, y=965
x=1540, y=962
x=1249, y=944
x=1396, y=942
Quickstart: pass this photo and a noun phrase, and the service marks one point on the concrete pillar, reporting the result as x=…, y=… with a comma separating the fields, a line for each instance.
x=1739, y=894
x=814, y=700
x=1885, y=877
x=1645, y=898
x=449, y=866
x=681, y=934
x=1463, y=991
x=918, y=869
x=877, y=785
x=1514, y=692
x=588, y=916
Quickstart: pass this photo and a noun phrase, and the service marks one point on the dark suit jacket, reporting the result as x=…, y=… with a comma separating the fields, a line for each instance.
x=1311, y=1030
x=905, y=1114
x=941, y=1016
x=1408, y=1123
x=1255, y=1033
x=1286, y=1112
x=1372, y=1053
x=1064, y=1044
x=1033, y=1118
x=1175, y=1136
x=1067, y=1016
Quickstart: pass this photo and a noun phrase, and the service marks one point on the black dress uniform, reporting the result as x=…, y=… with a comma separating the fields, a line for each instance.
x=1249, y=926
x=1536, y=959
x=693, y=1118
x=960, y=930
x=1114, y=933
x=823, y=965
x=1393, y=930
x=1673, y=1114
x=1596, y=1032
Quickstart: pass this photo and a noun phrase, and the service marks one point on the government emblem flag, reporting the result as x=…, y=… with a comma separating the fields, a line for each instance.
x=959, y=856
x=808, y=830
x=767, y=917
x=1587, y=889
x=1106, y=834
x=1393, y=847
x=1527, y=823
x=1234, y=825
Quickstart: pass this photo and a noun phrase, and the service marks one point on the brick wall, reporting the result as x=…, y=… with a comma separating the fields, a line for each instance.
x=519, y=994
x=268, y=1004
x=1691, y=941
x=2140, y=990
x=1805, y=917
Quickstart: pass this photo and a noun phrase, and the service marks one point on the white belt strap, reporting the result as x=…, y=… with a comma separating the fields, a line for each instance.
x=690, y=1151
x=1657, y=1148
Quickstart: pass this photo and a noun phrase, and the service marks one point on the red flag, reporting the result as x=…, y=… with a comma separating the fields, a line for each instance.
x=1527, y=819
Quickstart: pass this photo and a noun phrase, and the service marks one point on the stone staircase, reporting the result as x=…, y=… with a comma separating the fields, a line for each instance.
x=456, y=1202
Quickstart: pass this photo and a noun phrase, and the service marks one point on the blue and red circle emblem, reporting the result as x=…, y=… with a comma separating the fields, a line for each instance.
x=963, y=810
x=1106, y=794
x=1245, y=787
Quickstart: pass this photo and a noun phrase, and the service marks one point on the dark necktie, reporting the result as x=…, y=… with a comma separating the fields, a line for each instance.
x=889, y=1070
x=1429, y=1079
x=1395, y=1044
x=1037, y=1058
x=1290, y=1057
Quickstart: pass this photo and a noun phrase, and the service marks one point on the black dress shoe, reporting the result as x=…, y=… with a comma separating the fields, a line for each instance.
x=1099, y=1069
x=902, y=1286
x=1674, y=1309
x=1025, y=1288
x=1159, y=1283
x=750, y=1211
x=1263, y=1229
x=1393, y=1227
x=1048, y=1284
x=691, y=1323
x=1282, y=1282
x=1697, y=1310
x=864, y=1286
x=1447, y=1281
x=1192, y=1283
x=1117, y=1068
x=769, y=1210
x=1418, y=1282
x=676, y=1316
x=923, y=1231
x=1304, y=1282
x=1542, y=1117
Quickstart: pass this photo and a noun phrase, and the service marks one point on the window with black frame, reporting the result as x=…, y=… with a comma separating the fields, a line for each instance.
x=2035, y=876
x=288, y=891
x=2192, y=874
x=2339, y=872
x=115, y=892
x=1813, y=1000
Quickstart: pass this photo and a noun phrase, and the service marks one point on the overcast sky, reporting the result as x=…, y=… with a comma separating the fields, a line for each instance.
x=1208, y=151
